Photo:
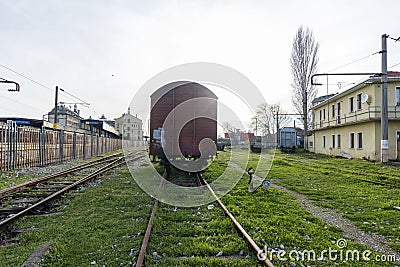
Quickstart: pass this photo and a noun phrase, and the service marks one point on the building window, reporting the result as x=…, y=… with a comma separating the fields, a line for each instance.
x=351, y=104
x=129, y=121
x=311, y=144
x=333, y=111
x=338, y=143
x=359, y=104
x=333, y=141
x=359, y=140
x=338, y=113
x=323, y=141
x=398, y=96
x=351, y=140
x=323, y=114
x=320, y=118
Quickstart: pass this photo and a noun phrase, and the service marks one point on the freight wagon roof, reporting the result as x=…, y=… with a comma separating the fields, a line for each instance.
x=166, y=88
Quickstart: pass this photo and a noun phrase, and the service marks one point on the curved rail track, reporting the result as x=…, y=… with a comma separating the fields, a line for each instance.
x=241, y=231
x=20, y=200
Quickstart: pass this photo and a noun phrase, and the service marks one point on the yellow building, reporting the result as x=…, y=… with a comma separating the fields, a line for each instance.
x=349, y=124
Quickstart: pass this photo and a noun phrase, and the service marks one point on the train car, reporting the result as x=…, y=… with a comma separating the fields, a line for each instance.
x=288, y=139
x=178, y=101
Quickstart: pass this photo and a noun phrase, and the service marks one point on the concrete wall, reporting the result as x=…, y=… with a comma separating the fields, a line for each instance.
x=367, y=129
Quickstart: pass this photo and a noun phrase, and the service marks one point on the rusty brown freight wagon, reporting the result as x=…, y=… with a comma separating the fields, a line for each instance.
x=179, y=103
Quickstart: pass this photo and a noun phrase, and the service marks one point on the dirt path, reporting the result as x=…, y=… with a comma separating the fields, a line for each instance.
x=349, y=230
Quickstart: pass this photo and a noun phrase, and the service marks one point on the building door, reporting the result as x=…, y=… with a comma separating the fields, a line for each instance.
x=398, y=145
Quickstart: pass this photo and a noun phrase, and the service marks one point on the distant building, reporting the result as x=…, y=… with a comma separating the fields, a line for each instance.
x=239, y=137
x=66, y=117
x=110, y=122
x=349, y=123
x=69, y=120
x=129, y=126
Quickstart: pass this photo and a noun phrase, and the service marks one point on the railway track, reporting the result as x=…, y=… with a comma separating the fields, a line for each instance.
x=32, y=196
x=240, y=230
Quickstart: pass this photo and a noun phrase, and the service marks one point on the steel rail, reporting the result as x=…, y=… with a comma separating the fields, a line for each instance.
x=259, y=252
x=7, y=191
x=115, y=163
x=146, y=237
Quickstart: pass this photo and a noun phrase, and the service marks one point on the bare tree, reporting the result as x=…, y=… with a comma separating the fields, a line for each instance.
x=303, y=63
x=227, y=127
x=265, y=118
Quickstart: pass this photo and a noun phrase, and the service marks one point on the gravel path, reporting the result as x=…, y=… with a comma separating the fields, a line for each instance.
x=349, y=230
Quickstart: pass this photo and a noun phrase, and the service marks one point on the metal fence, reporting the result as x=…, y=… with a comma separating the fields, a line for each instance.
x=23, y=146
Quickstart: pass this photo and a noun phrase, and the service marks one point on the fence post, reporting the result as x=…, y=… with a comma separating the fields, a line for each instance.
x=97, y=145
x=12, y=145
x=91, y=144
x=74, y=146
x=84, y=146
x=41, y=147
x=8, y=146
x=60, y=145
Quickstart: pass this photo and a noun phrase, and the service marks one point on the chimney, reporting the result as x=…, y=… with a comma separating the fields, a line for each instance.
x=76, y=108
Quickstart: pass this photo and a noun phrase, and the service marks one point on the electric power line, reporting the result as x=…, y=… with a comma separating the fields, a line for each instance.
x=69, y=95
x=394, y=65
x=354, y=61
x=30, y=79
x=83, y=101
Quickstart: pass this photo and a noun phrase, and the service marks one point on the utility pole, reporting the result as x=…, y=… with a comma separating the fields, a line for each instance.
x=256, y=125
x=305, y=112
x=55, y=109
x=384, y=109
x=277, y=127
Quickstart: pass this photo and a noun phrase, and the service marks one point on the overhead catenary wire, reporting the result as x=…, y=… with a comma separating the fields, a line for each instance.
x=394, y=65
x=349, y=63
x=26, y=77
x=38, y=83
x=354, y=61
x=364, y=78
x=64, y=92
x=83, y=101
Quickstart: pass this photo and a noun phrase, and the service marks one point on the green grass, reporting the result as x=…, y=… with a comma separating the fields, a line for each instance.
x=101, y=224
x=335, y=183
x=193, y=236
x=98, y=224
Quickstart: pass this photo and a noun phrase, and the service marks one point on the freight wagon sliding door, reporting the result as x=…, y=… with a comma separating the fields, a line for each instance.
x=205, y=127
x=186, y=135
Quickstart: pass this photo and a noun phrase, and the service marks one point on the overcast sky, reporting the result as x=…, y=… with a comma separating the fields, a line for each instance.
x=103, y=51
